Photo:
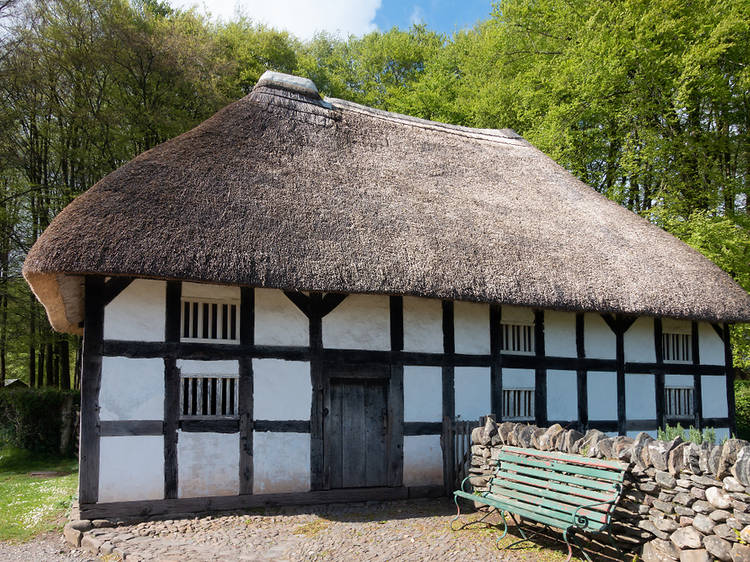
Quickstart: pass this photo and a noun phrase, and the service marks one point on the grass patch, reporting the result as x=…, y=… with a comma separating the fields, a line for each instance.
x=30, y=505
x=312, y=528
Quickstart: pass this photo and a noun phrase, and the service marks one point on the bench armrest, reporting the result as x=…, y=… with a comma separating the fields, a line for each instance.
x=463, y=482
x=582, y=519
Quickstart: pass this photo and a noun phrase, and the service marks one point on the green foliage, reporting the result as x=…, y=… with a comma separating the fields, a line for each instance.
x=742, y=403
x=691, y=435
x=31, y=419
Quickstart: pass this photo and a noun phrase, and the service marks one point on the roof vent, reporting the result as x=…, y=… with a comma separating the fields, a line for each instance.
x=303, y=86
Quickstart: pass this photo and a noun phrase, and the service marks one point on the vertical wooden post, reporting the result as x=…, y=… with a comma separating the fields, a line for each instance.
x=582, y=375
x=90, y=384
x=396, y=396
x=659, y=397
x=620, y=354
x=697, y=381
x=540, y=375
x=449, y=394
x=729, y=366
x=317, y=461
x=245, y=390
x=171, y=390
x=496, y=365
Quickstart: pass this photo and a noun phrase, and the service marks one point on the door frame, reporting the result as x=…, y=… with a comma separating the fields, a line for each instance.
x=394, y=438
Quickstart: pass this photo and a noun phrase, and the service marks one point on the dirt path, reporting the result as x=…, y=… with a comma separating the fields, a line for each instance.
x=47, y=547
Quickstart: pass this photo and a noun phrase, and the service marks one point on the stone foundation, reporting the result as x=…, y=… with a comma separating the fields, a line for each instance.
x=681, y=501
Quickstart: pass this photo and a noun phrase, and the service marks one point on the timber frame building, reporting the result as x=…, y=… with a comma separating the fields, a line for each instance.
x=288, y=303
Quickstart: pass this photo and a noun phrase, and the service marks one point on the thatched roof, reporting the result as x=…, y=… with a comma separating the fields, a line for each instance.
x=282, y=189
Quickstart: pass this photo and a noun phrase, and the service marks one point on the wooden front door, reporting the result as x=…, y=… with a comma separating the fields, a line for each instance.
x=356, y=429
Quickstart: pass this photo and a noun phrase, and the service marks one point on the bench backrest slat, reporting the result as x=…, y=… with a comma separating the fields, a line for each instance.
x=507, y=480
x=571, y=459
x=557, y=476
x=586, y=495
x=565, y=509
x=562, y=466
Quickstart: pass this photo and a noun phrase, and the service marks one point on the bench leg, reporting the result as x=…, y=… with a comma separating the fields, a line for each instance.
x=570, y=547
x=518, y=527
x=464, y=525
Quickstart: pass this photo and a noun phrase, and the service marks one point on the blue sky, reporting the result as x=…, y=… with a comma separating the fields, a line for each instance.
x=304, y=18
x=439, y=15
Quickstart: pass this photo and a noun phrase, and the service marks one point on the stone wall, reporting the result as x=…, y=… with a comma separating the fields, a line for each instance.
x=681, y=501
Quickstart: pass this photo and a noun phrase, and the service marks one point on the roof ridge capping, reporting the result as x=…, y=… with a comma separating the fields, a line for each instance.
x=307, y=88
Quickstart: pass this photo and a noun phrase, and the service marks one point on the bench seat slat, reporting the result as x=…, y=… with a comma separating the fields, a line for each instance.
x=546, y=503
x=559, y=477
x=535, y=512
x=557, y=466
x=577, y=501
x=573, y=459
x=584, y=495
x=527, y=514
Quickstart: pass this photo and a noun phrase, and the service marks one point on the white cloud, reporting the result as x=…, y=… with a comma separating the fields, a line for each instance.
x=303, y=18
x=417, y=15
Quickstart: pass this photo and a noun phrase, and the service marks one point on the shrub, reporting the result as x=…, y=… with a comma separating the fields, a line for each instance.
x=693, y=435
x=742, y=408
x=31, y=418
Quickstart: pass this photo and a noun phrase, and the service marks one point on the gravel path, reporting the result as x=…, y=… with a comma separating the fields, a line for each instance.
x=47, y=547
x=412, y=530
x=406, y=530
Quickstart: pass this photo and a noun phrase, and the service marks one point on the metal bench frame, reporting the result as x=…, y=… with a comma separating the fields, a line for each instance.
x=604, y=476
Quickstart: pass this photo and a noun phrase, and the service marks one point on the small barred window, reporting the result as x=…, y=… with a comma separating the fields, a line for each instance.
x=204, y=320
x=678, y=403
x=208, y=396
x=518, y=404
x=677, y=347
x=517, y=338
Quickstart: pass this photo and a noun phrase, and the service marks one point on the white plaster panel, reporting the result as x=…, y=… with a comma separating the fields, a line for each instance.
x=602, y=398
x=560, y=334
x=423, y=325
x=714, y=397
x=598, y=340
x=423, y=460
x=518, y=378
x=639, y=341
x=710, y=345
x=423, y=394
x=138, y=313
x=208, y=464
x=472, y=386
x=206, y=291
x=674, y=326
x=562, y=395
x=517, y=314
x=132, y=389
x=634, y=434
x=131, y=468
x=678, y=381
x=640, y=397
x=191, y=367
x=278, y=321
x=282, y=390
x=281, y=462
x=359, y=322
x=721, y=434
x=471, y=326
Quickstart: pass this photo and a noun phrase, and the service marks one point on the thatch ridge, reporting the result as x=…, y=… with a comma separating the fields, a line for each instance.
x=286, y=191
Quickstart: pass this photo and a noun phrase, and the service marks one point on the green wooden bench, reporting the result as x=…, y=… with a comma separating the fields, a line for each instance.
x=567, y=492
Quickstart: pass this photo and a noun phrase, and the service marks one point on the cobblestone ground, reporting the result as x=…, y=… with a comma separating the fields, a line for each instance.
x=413, y=530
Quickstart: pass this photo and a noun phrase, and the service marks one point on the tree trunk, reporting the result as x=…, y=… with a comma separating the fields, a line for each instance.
x=50, y=365
x=32, y=346
x=64, y=352
x=40, y=367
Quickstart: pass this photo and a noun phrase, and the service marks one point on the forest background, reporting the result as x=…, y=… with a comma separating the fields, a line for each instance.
x=647, y=102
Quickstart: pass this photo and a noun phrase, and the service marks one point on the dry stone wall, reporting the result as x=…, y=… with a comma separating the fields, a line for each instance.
x=681, y=501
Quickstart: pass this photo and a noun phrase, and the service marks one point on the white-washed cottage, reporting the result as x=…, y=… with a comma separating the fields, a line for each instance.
x=285, y=303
